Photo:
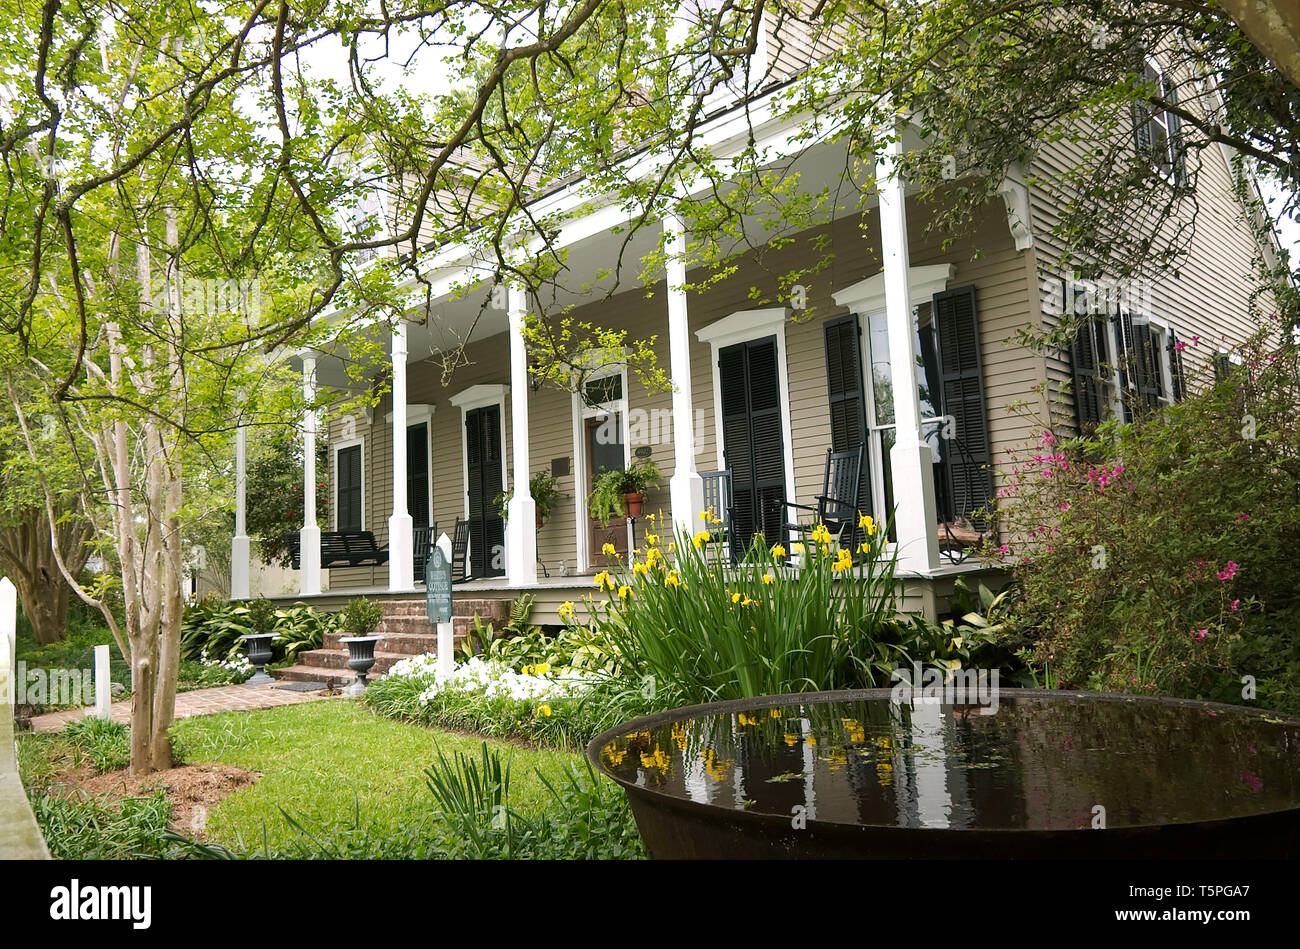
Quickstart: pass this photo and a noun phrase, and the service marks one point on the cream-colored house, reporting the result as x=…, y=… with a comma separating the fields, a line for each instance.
x=900, y=346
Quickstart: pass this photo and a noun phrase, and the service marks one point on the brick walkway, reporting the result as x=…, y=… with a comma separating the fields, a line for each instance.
x=226, y=698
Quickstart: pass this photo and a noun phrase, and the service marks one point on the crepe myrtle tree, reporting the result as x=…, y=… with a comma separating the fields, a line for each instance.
x=147, y=151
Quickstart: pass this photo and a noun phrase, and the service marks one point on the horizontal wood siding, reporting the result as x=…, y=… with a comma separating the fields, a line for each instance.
x=1000, y=274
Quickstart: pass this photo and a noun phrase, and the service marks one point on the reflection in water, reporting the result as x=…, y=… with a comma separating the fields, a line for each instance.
x=1041, y=762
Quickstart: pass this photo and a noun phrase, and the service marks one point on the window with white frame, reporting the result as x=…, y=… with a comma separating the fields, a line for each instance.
x=1155, y=129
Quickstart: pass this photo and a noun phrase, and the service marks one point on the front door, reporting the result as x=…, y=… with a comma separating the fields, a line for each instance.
x=753, y=445
x=604, y=450
x=487, y=531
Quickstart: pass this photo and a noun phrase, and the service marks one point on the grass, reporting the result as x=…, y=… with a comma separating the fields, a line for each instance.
x=319, y=759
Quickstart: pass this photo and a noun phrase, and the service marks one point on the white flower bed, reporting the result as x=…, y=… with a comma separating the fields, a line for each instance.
x=239, y=665
x=492, y=679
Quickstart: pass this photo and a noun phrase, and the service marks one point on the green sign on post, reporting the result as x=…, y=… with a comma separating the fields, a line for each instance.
x=437, y=585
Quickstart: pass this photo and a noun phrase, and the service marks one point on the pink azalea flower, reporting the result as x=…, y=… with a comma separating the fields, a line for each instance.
x=1228, y=572
x=1243, y=517
x=1065, y=505
x=1236, y=605
x=1180, y=346
x=1200, y=634
x=1004, y=549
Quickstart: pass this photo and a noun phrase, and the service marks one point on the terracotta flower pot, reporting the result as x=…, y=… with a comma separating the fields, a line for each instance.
x=634, y=502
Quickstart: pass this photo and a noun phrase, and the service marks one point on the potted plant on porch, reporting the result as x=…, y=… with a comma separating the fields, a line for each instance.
x=621, y=491
x=359, y=620
x=545, y=491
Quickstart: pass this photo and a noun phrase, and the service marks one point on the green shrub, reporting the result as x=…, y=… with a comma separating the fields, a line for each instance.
x=1159, y=556
x=105, y=742
x=360, y=617
x=214, y=627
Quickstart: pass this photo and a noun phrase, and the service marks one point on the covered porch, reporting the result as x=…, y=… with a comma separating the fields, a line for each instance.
x=891, y=351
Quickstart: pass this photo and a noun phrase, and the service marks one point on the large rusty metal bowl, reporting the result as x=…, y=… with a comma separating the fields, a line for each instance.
x=1039, y=774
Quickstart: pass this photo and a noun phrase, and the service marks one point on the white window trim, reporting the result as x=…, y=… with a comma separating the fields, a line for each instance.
x=335, y=448
x=581, y=412
x=416, y=414
x=1160, y=332
x=480, y=397
x=866, y=299
x=742, y=327
x=1162, y=81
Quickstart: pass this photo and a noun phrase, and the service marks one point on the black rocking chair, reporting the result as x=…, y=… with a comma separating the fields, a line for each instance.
x=460, y=552
x=837, y=505
x=718, y=502
x=422, y=541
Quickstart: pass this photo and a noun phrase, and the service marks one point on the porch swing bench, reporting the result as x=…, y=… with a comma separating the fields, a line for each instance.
x=340, y=549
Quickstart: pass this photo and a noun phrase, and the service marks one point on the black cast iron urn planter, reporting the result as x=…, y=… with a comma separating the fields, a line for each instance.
x=991, y=774
x=259, y=654
x=361, y=659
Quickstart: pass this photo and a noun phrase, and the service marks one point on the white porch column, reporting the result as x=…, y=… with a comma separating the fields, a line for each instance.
x=685, y=489
x=309, y=538
x=521, y=511
x=239, y=547
x=400, y=566
x=910, y=459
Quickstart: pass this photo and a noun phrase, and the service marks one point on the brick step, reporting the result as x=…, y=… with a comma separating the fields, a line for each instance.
x=405, y=625
x=338, y=659
x=408, y=644
x=304, y=673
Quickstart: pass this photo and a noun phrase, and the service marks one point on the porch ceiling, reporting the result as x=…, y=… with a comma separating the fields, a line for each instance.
x=601, y=258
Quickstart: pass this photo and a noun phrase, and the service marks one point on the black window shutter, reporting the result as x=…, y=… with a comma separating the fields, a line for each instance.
x=1086, y=356
x=1177, y=372
x=1130, y=368
x=1151, y=380
x=968, y=454
x=844, y=391
x=417, y=474
x=349, y=488
x=753, y=445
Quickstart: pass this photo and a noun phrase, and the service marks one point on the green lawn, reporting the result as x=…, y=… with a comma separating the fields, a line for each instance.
x=317, y=758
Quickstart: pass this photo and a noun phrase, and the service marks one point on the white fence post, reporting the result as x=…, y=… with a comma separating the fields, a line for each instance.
x=8, y=641
x=103, y=684
x=446, y=635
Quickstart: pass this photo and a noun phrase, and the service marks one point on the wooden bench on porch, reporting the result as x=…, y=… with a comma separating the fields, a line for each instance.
x=340, y=549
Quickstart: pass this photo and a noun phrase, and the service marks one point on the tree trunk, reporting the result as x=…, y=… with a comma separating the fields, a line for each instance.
x=27, y=557
x=1273, y=26
x=44, y=597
